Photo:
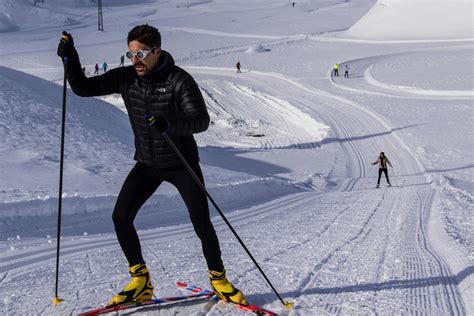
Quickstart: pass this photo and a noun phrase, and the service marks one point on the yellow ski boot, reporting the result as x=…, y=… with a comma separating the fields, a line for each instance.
x=138, y=290
x=224, y=289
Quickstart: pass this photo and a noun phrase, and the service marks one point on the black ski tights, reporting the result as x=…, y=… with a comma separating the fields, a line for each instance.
x=140, y=184
x=384, y=170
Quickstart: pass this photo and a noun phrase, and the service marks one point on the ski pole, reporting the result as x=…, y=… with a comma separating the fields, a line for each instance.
x=151, y=119
x=56, y=299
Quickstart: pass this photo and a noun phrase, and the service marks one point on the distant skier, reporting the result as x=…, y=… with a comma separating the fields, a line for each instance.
x=154, y=85
x=104, y=66
x=96, y=69
x=238, y=66
x=293, y=4
x=336, y=70
x=346, y=72
x=122, y=60
x=382, y=161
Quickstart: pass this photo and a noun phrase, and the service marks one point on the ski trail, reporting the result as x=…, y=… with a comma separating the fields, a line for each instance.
x=80, y=256
x=437, y=265
x=355, y=146
x=361, y=80
x=69, y=249
x=228, y=34
x=331, y=108
x=369, y=251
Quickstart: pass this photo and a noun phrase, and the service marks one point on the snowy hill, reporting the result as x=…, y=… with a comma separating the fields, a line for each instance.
x=415, y=20
x=287, y=156
x=97, y=135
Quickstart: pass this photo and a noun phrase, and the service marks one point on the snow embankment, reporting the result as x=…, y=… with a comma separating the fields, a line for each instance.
x=415, y=20
x=98, y=141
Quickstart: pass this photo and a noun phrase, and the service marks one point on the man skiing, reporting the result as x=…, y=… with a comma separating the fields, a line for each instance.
x=382, y=161
x=154, y=86
x=336, y=70
x=237, y=65
x=104, y=66
x=346, y=72
x=96, y=69
x=122, y=60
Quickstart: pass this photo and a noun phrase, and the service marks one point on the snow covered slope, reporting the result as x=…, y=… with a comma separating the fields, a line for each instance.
x=415, y=20
x=287, y=157
x=98, y=141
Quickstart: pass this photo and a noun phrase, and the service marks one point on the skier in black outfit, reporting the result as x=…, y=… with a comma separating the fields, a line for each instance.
x=154, y=86
x=238, y=66
x=383, y=161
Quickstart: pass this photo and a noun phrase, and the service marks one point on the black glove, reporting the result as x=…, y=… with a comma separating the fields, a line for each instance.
x=66, y=46
x=159, y=123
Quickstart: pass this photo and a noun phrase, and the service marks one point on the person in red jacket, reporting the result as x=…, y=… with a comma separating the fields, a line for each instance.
x=154, y=86
x=383, y=161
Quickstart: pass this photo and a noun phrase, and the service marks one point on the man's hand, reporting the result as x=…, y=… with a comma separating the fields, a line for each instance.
x=66, y=46
x=159, y=123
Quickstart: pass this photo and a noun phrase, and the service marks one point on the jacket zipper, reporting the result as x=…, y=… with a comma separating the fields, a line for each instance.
x=150, y=131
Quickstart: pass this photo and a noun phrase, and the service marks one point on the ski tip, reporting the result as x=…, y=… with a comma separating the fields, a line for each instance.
x=57, y=300
x=289, y=304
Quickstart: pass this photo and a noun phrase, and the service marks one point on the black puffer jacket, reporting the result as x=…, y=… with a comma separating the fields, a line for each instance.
x=168, y=91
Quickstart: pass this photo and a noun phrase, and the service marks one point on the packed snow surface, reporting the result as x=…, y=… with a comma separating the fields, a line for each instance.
x=287, y=156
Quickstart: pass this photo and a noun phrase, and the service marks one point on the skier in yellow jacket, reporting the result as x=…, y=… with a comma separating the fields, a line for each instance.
x=336, y=69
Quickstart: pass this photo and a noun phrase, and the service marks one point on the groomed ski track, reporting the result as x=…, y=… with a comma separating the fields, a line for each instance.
x=370, y=252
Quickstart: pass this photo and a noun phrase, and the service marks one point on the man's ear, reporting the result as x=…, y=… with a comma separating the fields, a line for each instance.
x=157, y=52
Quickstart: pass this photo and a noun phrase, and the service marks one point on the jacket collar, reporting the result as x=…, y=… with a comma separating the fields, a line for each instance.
x=162, y=69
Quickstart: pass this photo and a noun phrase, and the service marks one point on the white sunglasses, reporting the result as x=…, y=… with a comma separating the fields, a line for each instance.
x=141, y=53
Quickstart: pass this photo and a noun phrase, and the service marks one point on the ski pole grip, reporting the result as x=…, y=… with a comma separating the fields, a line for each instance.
x=150, y=119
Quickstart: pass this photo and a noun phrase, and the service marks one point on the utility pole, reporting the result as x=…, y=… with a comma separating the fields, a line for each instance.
x=101, y=21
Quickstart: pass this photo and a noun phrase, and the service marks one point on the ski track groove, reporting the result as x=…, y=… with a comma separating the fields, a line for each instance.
x=455, y=306
x=4, y=276
x=383, y=257
x=317, y=235
x=349, y=242
x=361, y=234
x=32, y=259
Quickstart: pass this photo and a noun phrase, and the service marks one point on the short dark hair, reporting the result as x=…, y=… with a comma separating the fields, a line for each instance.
x=145, y=34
